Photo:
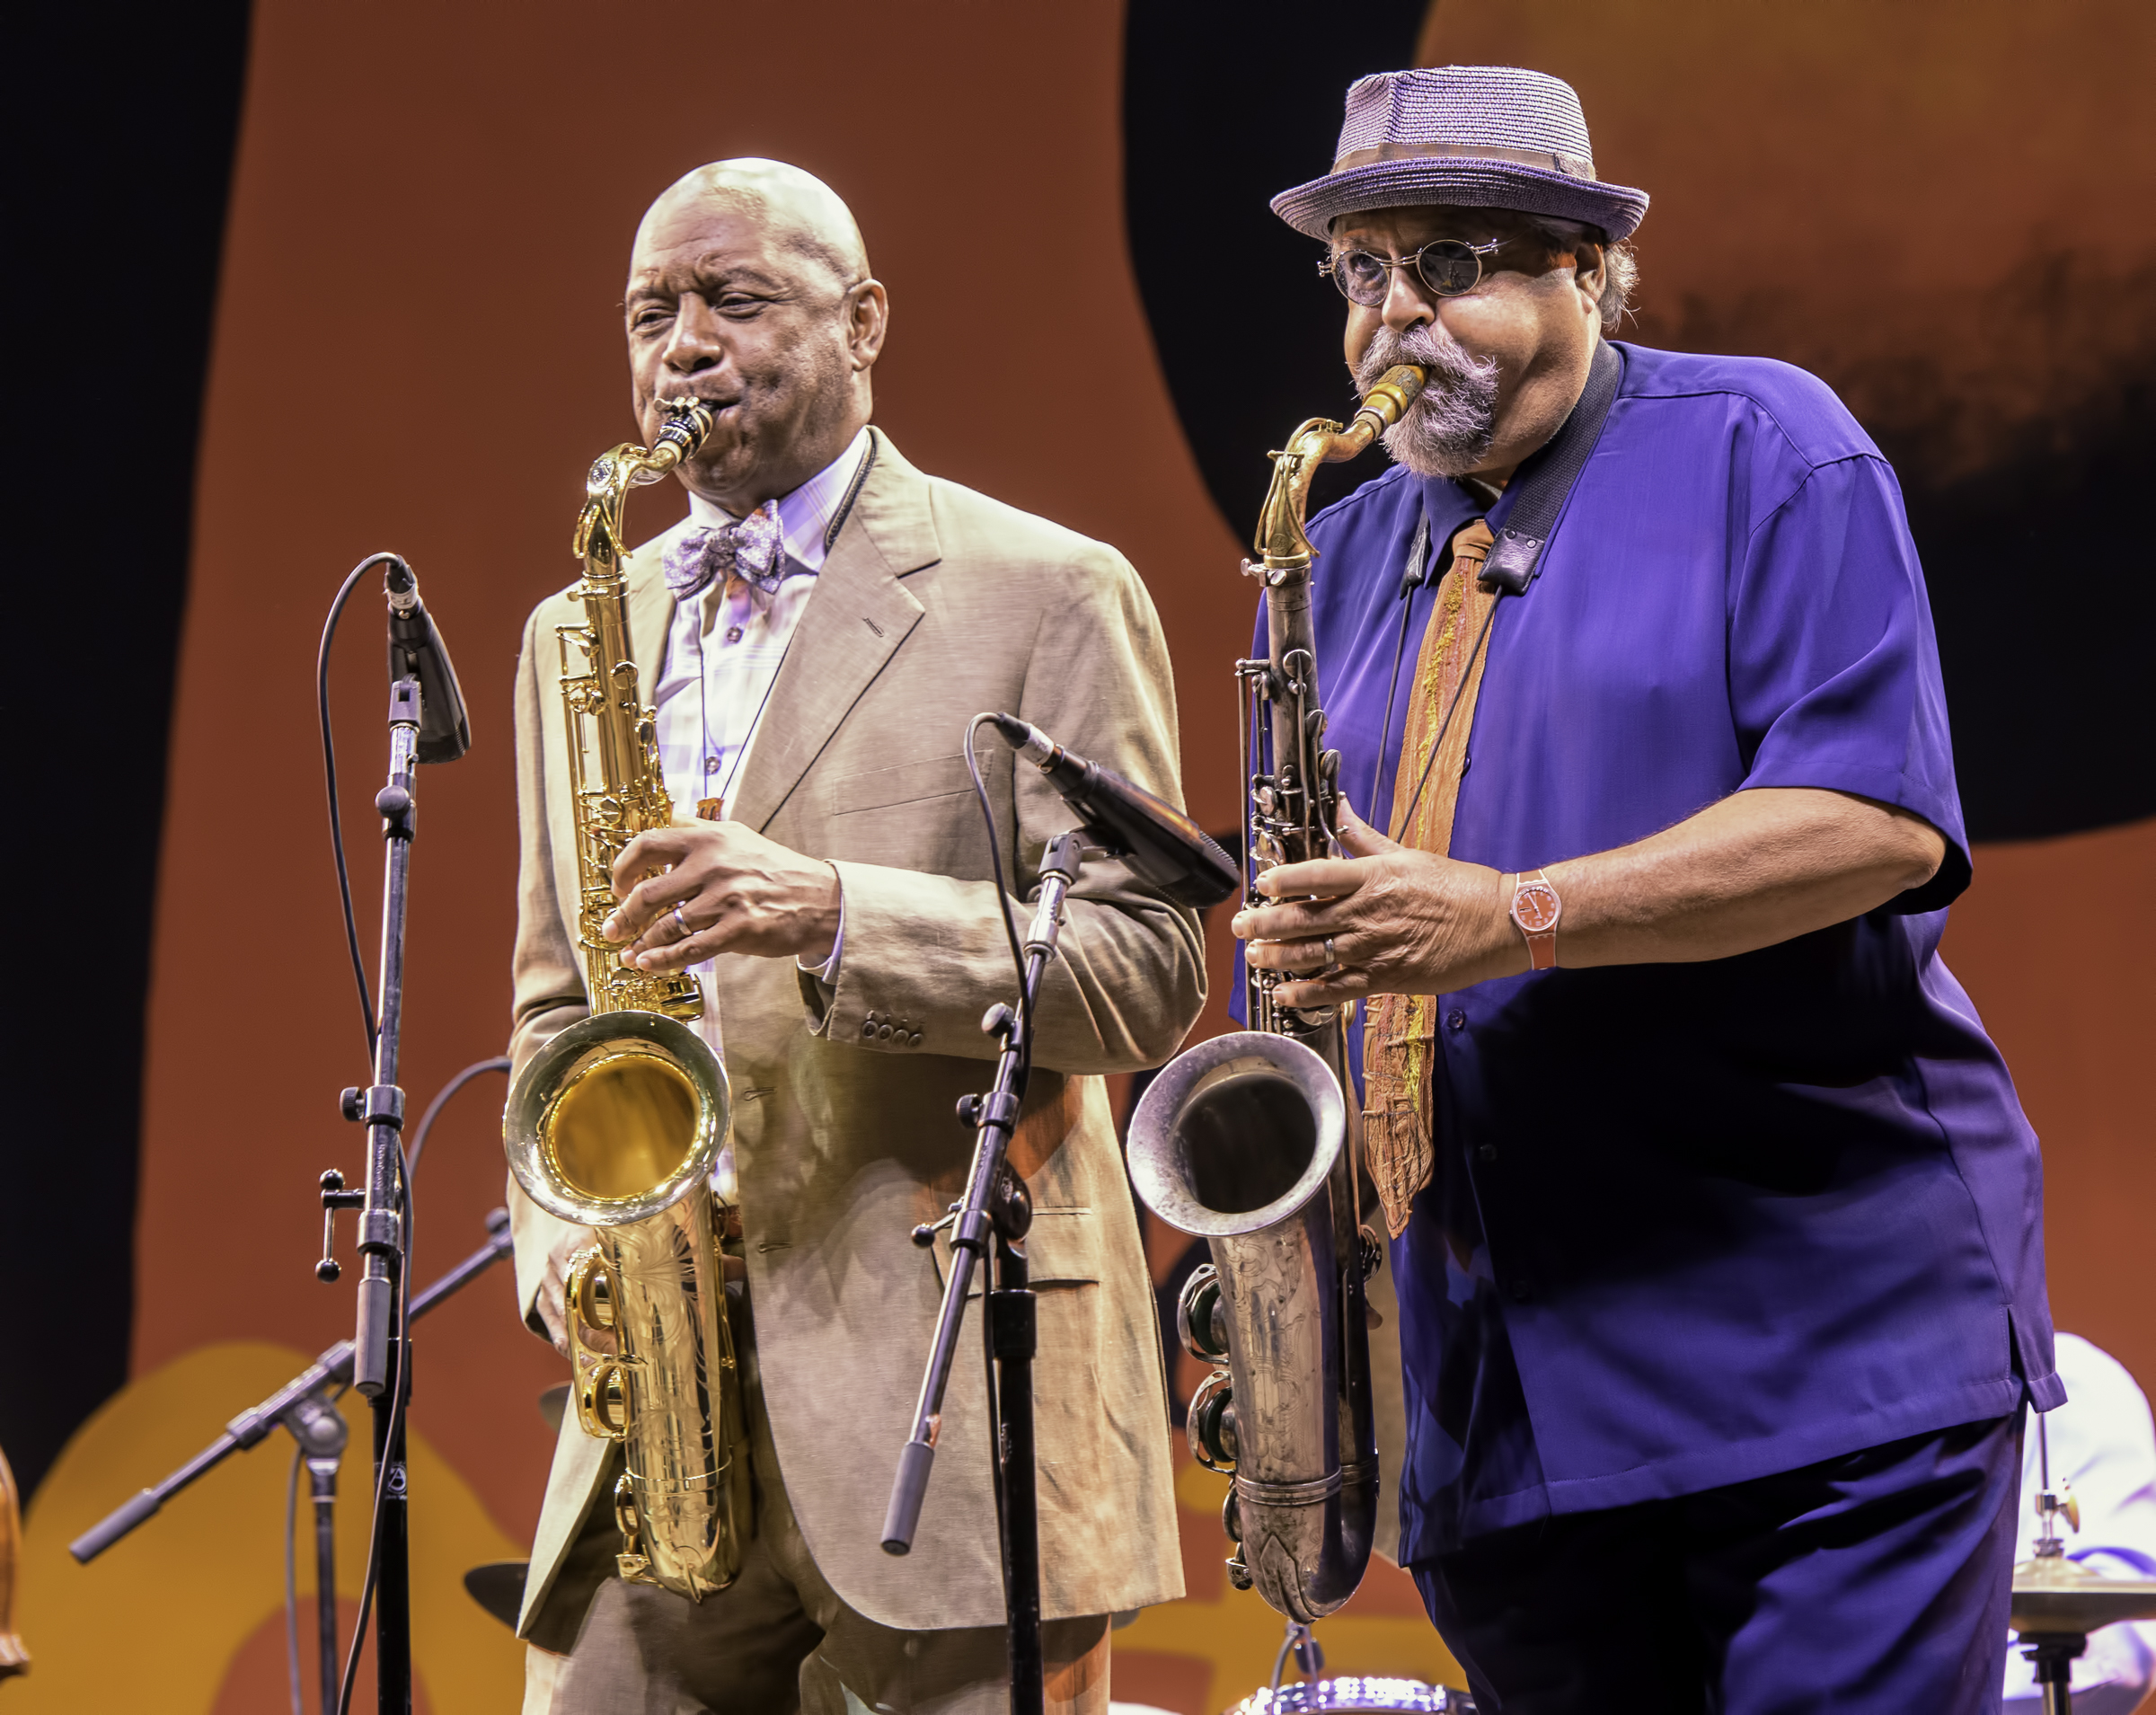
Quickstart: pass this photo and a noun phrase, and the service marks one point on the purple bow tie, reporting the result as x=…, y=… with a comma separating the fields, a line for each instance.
x=752, y=549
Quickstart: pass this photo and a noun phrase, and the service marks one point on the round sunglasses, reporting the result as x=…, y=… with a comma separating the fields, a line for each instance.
x=1447, y=266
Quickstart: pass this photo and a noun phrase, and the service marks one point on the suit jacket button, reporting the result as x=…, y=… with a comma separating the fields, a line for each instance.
x=883, y=1033
x=915, y=1042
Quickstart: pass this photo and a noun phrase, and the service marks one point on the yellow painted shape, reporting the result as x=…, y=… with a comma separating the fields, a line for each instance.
x=154, y=1621
x=1239, y=1636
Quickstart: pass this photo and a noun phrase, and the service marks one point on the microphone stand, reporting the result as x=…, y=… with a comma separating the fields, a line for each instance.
x=381, y=1348
x=304, y=1407
x=996, y=1203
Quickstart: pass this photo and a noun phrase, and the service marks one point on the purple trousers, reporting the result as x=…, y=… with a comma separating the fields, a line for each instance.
x=1876, y=1582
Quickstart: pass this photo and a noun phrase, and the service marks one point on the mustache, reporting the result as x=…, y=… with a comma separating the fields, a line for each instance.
x=1431, y=347
x=1448, y=428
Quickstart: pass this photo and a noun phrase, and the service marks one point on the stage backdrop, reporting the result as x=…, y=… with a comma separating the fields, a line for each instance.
x=412, y=341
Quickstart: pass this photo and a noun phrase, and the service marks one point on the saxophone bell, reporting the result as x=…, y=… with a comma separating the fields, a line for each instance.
x=1237, y=1142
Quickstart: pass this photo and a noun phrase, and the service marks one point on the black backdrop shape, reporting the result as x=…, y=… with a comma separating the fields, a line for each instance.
x=2042, y=575
x=120, y=125
x=1225, y=103
x=2043, y=579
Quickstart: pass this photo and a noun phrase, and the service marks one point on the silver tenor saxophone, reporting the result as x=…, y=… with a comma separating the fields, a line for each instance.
x=1242, y=1141
x=617, y=1122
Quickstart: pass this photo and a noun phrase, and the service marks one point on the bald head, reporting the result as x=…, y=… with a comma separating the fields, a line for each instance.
x=797, y=209
x=749, y=289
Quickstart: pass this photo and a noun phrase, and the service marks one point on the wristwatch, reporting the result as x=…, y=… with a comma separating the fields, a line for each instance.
x=1535, y=908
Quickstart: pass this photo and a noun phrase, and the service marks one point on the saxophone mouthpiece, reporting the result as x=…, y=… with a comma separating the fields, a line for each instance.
x=688, y=421
x=1396, y=390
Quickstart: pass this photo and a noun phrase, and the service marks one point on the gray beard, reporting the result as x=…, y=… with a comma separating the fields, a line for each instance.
x=1448, y=430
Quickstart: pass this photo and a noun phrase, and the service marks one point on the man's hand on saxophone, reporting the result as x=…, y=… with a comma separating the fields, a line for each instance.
x=725, y=888
x=1394, y=920
x=1758, y=867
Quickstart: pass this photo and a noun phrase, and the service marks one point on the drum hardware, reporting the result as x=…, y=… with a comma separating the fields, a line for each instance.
x=1346, y=1692
x=1353, y=1694
x=2057, y=1604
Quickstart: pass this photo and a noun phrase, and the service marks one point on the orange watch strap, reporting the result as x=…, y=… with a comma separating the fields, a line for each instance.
x=1536, y=909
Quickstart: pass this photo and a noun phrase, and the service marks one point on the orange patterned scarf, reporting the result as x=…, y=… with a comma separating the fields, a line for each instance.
x=1400, y=1031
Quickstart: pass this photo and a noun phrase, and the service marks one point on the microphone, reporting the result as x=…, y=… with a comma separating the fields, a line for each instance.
x=416, y=651
x=1160, y=843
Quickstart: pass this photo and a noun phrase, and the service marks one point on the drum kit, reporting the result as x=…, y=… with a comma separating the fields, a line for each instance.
x=2057, y=1603
x=1349, y=1694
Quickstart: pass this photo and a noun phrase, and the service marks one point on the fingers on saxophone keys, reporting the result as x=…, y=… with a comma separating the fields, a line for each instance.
x=641, y=907
x=657, y=952
x=1329, y=990
x=1299, y=956
x=628, y=920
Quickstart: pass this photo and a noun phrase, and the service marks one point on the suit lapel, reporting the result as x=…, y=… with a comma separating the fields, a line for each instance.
x=650, y=614
x=852, y=625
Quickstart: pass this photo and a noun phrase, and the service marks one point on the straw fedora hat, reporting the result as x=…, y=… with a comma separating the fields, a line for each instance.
x=1484, y=136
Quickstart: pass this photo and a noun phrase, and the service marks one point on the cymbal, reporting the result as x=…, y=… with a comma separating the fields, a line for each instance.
x=2056, y=1595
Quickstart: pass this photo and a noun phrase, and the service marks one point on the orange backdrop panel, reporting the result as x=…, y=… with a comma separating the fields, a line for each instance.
x=419, y=347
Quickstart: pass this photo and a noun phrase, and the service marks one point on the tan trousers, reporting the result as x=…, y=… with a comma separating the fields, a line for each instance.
x=779, y=1638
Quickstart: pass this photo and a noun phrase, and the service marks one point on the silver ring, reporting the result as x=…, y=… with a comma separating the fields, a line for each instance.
x=1331, y=963
x=682, y=923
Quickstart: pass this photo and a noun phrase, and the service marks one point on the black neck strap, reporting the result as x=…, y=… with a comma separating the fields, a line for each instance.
x=1546, y=485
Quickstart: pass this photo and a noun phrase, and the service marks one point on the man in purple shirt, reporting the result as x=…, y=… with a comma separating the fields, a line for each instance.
x=1715, y=1219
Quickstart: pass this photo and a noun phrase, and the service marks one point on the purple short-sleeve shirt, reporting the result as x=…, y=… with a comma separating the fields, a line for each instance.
x=1693, y=1224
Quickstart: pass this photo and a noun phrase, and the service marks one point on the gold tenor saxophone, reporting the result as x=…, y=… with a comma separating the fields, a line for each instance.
x=617, y=1122
x=1242, y=1141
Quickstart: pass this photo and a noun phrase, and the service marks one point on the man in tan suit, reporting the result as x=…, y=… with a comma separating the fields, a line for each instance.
x=817, y=634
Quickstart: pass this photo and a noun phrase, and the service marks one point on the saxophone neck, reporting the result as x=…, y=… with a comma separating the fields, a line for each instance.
x=599, y=542
x=1281, y=543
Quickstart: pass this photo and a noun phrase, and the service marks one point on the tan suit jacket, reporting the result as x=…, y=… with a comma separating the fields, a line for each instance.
x=935, y=604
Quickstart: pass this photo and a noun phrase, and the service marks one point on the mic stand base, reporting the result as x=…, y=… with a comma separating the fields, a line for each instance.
x=392, y=1573
x=1013, y=1335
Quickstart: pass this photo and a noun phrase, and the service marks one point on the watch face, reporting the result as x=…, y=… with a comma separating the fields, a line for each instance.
x=1534, y=907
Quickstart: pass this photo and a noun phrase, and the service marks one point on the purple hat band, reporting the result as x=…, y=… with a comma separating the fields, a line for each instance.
x=1478, y=136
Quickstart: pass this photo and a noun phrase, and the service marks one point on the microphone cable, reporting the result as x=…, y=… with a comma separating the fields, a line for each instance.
x=329, y=770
